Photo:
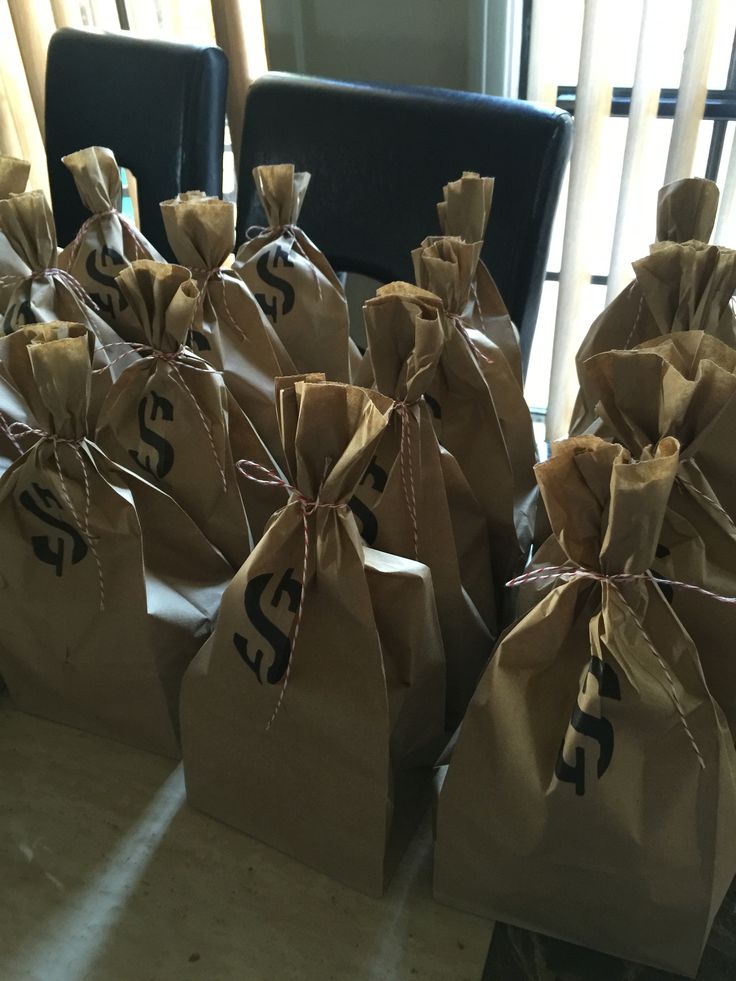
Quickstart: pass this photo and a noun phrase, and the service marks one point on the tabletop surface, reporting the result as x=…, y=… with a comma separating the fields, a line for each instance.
x=107, y=874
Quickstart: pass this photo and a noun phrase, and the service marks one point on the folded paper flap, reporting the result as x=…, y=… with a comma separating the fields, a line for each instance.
x=446, y=265
x=605, y=509
x=162, y=303
x=687, y=286
x=672, y=386
x=337, y=428
x=287, y=412
x=200, y=229
x=62, y=375
x=28, y=225
x=686, y=209
x=466, y=206
x=281, y=190
x=404, y=330
x=97, y=176
x=13, y=175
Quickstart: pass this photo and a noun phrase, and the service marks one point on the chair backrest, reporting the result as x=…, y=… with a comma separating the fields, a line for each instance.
x=379, y=157
x=158, y=105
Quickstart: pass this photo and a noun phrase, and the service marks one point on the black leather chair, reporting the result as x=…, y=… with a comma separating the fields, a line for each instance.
x=158, y=105
x=379, y=157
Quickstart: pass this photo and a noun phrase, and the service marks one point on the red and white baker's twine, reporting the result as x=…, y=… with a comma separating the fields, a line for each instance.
x=462, y=329
x=140, y=249
x=250, y=469
x=21, y=429
x=216, y=274
x=62, y=275
x=571, y=572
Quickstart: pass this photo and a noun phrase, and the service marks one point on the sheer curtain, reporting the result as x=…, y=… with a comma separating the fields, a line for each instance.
x=27, y=25
x=650, y=28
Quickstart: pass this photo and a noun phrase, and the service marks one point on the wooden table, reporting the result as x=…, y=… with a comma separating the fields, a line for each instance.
x=106, y=874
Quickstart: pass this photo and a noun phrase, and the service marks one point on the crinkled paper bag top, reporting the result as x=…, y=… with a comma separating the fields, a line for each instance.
x=671, y=386
x=281, y=190
x=405, y=336
x=336, y=430
x=606, y=509
x=446, y=266
x=686, y=210
x=200, y=229
x=13, y=175
x=28, y=225
x=466, y=206
x=97, y=176
x=162, y=300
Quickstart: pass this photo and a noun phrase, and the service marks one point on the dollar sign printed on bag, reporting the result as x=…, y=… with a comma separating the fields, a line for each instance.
x=102, y=267
x=278, y=640
x=367, y=519
x=667, y=590
x=434, y=406
x=595, y=727
x=160, y=408
x=277, y=256
x=41, y=544
x=198, y=341
x=19, y=315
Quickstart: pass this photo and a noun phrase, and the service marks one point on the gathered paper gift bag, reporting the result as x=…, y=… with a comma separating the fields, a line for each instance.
x=310, y=715
x=292, y=280
x=231, y=333
x=684, y=386
x=107, y=588
x=106, y=242
x=683, y=284
x=171, y=419
x=41, y=291
x=479, y=411
x=591, y=794
x=413, y=500
x=463, y=213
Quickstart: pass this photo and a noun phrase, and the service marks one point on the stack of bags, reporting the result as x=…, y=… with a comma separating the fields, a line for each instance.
x=591, y=794
x=237, y=543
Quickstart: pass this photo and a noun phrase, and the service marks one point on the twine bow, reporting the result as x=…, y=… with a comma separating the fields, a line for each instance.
x=21, y=429
x=570, y=572
x=216, y=274
x=62, y=276
x=250, y=469
x=461, y=327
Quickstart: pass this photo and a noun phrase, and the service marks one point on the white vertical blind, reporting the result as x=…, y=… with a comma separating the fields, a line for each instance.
x=693, y=88
x=725, y=230
x=541, y=81
x=592, y=108
x=643, y=112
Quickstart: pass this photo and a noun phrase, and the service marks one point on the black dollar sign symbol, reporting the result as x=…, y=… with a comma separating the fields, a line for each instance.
x=108, y=258
x=40, y=543
x=163, y=408
x=278, y=640
x=368, y=522
x=18, y=315
x=198, y=341
x=434, y=406
x=279, y=256
x=599, y=729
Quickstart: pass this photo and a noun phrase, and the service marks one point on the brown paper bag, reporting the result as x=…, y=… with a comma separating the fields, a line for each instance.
x=106, y=242
x=464, y=213
x=591, y=794
x=16, y=377
x=684, y=386
x=411, y=503
x=43, y=293
x=479, y=410
x=231, y=332
x=294, y=283
x=682, y=285
x=308, y=641
x=108, y=588
x=168, y=416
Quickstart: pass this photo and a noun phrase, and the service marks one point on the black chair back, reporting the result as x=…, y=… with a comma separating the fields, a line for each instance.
x=379, y=157
x=158, y=105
